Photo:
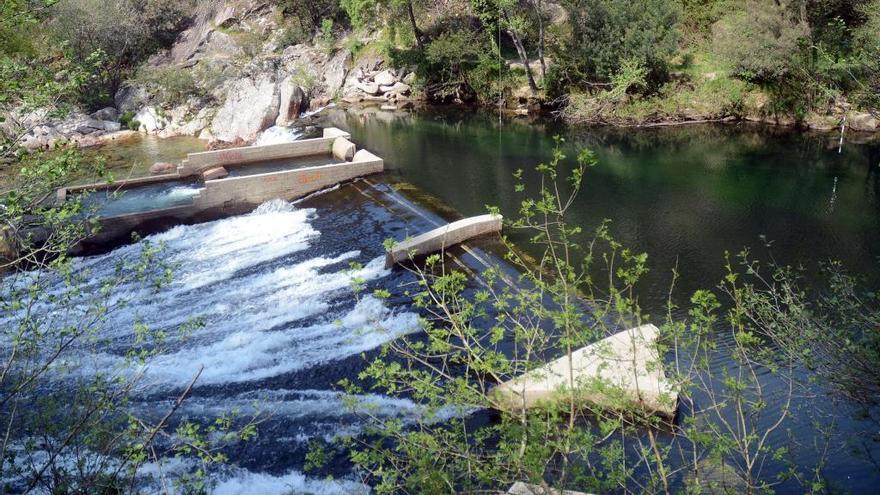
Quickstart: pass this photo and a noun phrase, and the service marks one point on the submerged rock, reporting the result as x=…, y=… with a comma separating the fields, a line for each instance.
x=162, y=168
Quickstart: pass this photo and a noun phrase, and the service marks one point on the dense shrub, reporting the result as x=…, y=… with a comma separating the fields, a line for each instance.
x=125, y=32
x=604, y=33
x=763, y=42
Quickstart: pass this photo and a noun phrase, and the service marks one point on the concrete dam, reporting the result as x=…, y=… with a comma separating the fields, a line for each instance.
x=271, y=275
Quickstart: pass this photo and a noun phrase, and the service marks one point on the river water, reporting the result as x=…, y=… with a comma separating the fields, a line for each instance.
x=282, y=325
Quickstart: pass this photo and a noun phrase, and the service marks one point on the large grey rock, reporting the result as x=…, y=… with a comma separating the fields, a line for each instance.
x=151, y=120
x=112, y=126
x=293, y=102
x=251, y=106
x=335, y=70
x=398, y=87
x=368, y=88
x=384, y=78
x=108, y=113
x=129, y=99
x=864, y=122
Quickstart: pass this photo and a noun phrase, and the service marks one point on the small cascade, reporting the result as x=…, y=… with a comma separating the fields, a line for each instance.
x=276, y=300
x=278, y=135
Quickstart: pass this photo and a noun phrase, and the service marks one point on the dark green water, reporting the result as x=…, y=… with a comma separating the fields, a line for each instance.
x=684, y=195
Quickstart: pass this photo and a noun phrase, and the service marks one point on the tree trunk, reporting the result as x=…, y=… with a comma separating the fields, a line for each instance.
x=523, y=56
x=539, y=7
x=412, y=20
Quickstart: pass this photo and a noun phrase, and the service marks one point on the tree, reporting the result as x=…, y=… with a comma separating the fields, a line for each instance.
x=364, y=12
x=604, y=33
x=123, y=32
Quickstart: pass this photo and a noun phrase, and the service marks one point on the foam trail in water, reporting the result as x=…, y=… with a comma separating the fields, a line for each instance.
x=268, y=307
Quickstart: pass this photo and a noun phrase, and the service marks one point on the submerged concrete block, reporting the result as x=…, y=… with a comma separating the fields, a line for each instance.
x=623, y=370
x=214, y=173
x=443, y=237
x=520, y=488
x=343, y=149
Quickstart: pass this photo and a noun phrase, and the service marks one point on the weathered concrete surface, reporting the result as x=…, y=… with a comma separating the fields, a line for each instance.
x=520, y=488
x=287, y=185
x=443, y=237
x=623, y=370
x=197, y=162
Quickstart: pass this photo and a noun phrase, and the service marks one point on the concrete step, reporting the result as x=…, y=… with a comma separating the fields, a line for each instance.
x=443, y=237
x=620, y=371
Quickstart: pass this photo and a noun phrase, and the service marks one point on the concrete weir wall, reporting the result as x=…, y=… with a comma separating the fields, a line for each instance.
x=197, y=162
x=443, y=237
x=232, y=195
x=289, y=184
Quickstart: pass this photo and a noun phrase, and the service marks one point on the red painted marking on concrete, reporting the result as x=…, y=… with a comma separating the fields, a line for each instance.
x=310, y=177
x=230, y=155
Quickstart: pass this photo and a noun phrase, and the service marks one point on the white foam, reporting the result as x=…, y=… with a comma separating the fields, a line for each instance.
x=277, y=135
x=293, y=482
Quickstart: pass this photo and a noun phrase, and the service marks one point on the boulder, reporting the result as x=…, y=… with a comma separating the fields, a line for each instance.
x=335, y=71
x=409, y=78
x=112, y=126
x=150, y=119
x=384, y=78
x=293, y=102
x=162, y=168
x=214, y=173
x=368, y=88
x=251, y=107
x=128, y=98
x=864, y=122
x=108, y=113
x=398, y=87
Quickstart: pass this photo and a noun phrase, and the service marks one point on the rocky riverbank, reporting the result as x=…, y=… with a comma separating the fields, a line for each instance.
x=232, y=74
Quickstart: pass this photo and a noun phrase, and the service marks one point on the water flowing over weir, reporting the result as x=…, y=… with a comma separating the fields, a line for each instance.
x=281, y=325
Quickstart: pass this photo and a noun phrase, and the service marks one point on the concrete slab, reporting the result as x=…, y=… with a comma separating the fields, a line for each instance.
x=623, y=370
x=443, y=237
x=520, y=488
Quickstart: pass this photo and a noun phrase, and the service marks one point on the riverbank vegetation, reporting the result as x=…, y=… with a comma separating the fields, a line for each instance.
x=808, y=62
x=612, y=61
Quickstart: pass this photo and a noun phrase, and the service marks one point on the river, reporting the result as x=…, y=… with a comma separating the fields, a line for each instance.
x=282, y=325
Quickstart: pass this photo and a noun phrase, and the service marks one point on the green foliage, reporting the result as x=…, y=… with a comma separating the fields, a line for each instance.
x=762, y=42
x=326, y=39
x=85, y=27
x=308, y=15
x=171, y=85
x=605, y=33
x=460, y=65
